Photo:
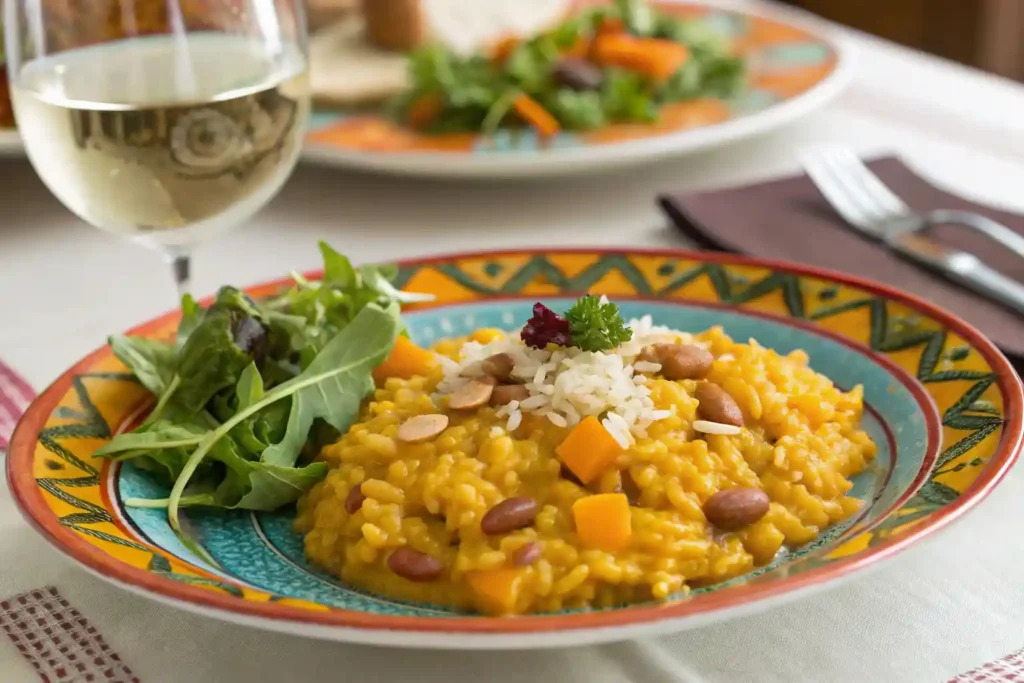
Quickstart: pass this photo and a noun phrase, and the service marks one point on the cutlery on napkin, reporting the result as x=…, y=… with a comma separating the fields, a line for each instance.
x=788, y=219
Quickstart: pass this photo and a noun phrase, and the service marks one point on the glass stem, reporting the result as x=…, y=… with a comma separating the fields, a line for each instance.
x=181, y=270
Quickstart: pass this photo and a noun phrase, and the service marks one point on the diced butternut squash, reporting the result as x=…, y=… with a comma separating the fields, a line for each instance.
x=406, y=360
x=655, y=58
x=589, y=450
x=497, y=590
x=603, y=521
x=485, y=335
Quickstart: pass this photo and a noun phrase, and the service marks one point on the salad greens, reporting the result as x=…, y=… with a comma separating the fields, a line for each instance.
x=477, y=93
x=248, y=390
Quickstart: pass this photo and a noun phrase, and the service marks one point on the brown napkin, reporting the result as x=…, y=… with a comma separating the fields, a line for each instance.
x=788, y=219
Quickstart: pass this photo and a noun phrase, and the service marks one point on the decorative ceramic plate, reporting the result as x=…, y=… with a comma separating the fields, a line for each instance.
x=944, y=406
x=792, y=70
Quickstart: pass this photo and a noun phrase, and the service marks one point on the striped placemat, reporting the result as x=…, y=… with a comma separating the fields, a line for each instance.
x=1009, y=669
x=15, y=395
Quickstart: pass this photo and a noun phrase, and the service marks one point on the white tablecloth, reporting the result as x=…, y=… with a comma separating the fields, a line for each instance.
x=936, y=610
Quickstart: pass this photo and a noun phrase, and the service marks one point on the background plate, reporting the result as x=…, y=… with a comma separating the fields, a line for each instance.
x=793, y=70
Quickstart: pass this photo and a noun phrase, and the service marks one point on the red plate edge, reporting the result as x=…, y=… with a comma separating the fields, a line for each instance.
x=35, y=511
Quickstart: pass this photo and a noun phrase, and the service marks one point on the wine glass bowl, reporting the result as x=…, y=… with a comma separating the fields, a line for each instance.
x=163, y=121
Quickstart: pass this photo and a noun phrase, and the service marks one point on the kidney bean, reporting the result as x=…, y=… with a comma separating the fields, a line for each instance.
x=528, y=554
x=733, y=509
x=355, y=499
x=509, y=515
x=717, y=406
x=413, y=565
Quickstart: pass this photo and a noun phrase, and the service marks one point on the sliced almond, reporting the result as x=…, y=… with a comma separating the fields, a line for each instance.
x=422, y=428
x=472, y=394
x=649, y=354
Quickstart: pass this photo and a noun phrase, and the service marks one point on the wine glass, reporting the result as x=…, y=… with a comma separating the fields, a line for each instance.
x=160, y=120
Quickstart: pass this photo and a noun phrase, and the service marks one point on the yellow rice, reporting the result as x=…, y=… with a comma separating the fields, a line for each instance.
x=800, y=444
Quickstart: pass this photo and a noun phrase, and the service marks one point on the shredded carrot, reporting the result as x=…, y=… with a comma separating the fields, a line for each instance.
x=503, y=48
x=424, y=110
x=580, y=48
x=536, y=115
x=611, y=25
x=658, y=59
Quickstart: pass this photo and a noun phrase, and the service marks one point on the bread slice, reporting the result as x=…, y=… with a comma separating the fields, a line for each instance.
x=346, y=70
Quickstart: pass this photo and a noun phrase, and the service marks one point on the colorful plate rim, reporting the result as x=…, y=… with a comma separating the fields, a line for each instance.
x=596, y=157
x=475, y=631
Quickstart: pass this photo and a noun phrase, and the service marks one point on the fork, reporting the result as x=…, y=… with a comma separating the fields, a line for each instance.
x=863, y=201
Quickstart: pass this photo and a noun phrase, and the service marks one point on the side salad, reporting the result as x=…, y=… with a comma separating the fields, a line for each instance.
x=248, y=390
x=615, y=63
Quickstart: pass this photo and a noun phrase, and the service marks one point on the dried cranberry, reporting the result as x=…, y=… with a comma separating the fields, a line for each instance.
x=546, y=327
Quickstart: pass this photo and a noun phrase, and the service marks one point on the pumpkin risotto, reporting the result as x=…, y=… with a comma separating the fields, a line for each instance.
x=531, y=472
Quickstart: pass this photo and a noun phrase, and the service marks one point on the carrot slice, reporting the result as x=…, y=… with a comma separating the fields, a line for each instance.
x=536, y=115
x=424, y=110
x=580, y=48
x=588, y=450
x=610, y=25
x=503, y=48
x=656, y=58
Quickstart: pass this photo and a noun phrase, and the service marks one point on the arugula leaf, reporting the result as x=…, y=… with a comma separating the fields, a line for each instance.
x=639, y=17
x=209, y=361
x=331, y=389
x=626, y=95
x=158, y=436
x=583, y=110
x=596, y=326
x=271, y=486
x=249, y=389
x=338, y=269
x=191, y=315
x=151, y=361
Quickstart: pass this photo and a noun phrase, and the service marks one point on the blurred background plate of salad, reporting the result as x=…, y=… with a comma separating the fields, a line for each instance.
x=533, y=88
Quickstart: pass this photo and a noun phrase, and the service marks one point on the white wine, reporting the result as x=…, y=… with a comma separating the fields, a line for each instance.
x=165, y=138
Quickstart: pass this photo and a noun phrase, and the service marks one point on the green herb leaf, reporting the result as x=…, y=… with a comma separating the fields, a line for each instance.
x=151, y=361
x=596, y=326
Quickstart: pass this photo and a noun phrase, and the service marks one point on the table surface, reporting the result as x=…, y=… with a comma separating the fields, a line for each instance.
x=936, y=610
